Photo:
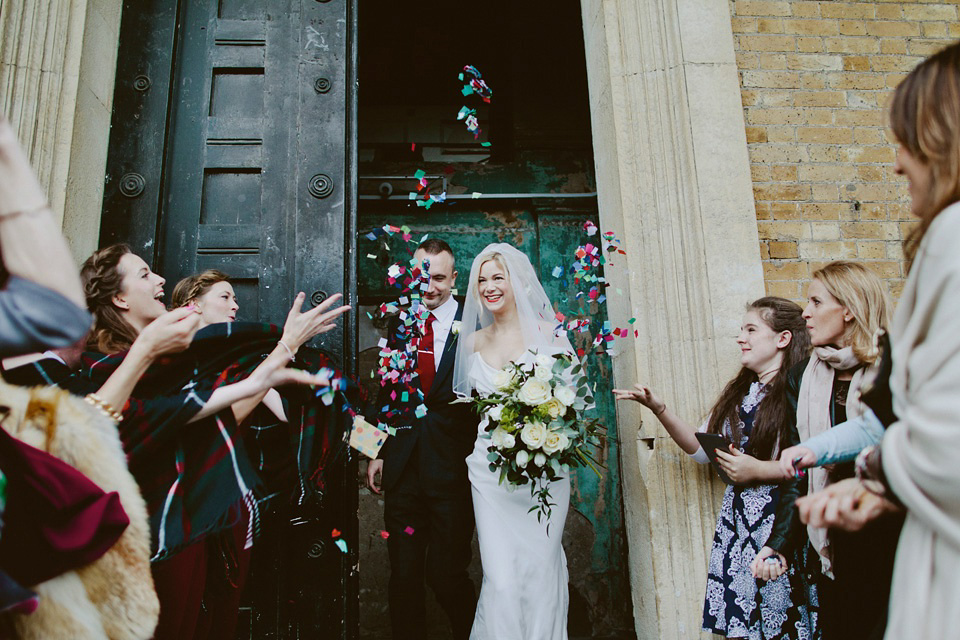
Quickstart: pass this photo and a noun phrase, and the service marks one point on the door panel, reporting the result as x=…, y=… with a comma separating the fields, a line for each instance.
x=232, y=148
x=549, y=234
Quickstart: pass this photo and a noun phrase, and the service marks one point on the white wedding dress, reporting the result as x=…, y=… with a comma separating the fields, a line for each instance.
x=524, y=592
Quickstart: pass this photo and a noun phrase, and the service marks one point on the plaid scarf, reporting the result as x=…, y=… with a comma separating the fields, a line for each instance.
x=193, y=475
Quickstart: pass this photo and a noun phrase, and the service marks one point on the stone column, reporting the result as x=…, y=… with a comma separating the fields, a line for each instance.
x=58, y=61
x=674, y=184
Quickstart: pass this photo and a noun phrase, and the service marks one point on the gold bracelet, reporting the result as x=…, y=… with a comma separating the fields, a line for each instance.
x=20, y=212
x=105, y=408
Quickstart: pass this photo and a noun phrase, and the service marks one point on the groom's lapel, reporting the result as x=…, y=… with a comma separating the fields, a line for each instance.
x=449, y=349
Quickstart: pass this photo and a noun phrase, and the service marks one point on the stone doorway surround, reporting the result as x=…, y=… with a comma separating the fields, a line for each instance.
x=673, y=179
x=58, y=61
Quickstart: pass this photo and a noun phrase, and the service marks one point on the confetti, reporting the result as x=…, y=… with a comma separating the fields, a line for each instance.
x=408, y=531
x=341, y=545
x=384, y=534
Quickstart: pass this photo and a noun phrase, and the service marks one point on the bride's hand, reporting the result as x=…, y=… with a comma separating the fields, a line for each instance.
x=643, y=395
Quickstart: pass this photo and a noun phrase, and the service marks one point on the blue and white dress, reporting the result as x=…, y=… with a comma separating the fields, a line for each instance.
x=738, y=605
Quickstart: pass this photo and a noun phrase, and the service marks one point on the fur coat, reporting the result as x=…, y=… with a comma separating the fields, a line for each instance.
x=113, y=597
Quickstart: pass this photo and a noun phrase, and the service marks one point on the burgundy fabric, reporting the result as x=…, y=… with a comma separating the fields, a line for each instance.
x=426, y=366
x=200, y=587
x=180, y=581
x=56, y=519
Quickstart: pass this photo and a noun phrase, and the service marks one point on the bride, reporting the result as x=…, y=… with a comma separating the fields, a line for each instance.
x=507, y=317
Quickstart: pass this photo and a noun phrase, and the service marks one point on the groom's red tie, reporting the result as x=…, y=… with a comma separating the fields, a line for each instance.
x=425, y=362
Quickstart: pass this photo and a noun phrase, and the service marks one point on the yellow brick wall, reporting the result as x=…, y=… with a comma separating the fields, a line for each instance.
x=815, y=78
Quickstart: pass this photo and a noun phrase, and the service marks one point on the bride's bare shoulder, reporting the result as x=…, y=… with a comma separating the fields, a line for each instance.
x=481, y=337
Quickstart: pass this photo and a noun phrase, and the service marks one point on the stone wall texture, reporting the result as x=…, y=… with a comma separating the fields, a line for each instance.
x=815, y=80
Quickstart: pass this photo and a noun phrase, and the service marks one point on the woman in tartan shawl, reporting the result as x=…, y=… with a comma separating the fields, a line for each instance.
x=179, y=428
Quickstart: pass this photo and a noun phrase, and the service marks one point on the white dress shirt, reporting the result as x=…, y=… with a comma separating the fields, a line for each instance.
x=444, y=314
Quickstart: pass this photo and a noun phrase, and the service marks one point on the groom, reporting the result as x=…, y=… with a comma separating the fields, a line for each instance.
x=428, y=507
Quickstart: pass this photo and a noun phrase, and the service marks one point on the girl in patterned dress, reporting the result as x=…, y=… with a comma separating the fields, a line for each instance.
x=752, y=412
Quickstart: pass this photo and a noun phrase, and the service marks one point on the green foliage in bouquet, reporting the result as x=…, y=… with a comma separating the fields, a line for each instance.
x=537, y=425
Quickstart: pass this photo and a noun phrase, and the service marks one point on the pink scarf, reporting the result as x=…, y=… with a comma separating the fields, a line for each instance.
x=813, y=418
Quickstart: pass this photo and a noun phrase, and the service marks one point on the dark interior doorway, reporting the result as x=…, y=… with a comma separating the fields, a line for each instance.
x=532, y=184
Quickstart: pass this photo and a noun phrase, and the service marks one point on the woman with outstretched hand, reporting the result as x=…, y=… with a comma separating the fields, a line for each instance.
x=752, y=414
x=179, y=428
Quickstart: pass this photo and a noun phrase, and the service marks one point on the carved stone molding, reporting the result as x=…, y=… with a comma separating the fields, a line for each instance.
x=674, y=184
x=57, y=65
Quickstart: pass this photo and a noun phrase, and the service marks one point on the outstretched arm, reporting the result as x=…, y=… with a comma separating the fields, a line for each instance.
x=681, y=432
x=297, y=330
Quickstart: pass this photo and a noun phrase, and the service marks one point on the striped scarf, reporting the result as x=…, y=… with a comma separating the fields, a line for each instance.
x=194, y=475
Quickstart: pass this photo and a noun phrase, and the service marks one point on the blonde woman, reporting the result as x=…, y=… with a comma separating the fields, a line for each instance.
x=917, y=464
x=507, y=317
x=847, y=304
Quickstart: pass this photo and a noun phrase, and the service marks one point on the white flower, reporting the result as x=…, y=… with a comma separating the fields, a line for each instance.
x=554, y=407
x=502, y=439
x=503, y=378
x=533, y=434
x=522, y=458
x=566, y=395
x=539, y=459
x=534, y=392
x=541, y=373
x=494, y=412
x=455, y=327
x=544, y=360
x=555, y=442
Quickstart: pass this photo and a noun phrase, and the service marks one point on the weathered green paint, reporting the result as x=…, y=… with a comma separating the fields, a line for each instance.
x=596, y=548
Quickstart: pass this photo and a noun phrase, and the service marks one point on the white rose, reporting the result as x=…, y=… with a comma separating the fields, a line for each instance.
x=566, y=395
x=496, y=437
x=522, y=458
x=508, y=439
x=533, y=434
x=544, y=360
x=502, y=379
x=539, y=459
x=534, y=392
x=494, y=412
x=555, y=442
x=542, y=374
x=554, y=407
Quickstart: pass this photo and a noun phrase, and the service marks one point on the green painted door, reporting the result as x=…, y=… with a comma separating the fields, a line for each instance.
x=594, y=539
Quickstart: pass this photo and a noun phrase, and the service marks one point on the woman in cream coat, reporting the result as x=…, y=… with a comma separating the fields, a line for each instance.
x=917, y=464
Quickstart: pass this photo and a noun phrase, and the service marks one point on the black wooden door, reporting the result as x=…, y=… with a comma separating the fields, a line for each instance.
x=233, y=147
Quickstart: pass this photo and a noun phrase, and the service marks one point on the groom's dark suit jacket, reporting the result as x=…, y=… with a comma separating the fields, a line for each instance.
x=442, y=439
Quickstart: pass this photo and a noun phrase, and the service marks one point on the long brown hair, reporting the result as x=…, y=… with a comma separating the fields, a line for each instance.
x=863, y=294
x=102, y=280
x=925, y=118
x=772, y=415
x=192, y=287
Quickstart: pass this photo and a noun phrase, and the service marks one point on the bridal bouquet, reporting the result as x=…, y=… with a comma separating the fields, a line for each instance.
x=537, y=426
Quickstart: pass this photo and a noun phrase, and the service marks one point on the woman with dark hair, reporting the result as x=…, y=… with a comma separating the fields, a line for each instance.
x=916, y=466
x=196, y=480
x=847, y=305
x=753, y=414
